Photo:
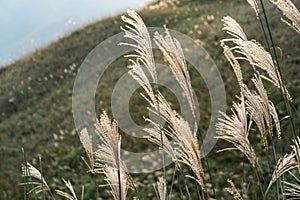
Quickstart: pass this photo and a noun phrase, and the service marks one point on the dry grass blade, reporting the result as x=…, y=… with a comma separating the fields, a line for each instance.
x=256, y=107
x=285, y=164
x=108, y=156
x=137, y=31
x=234, y=29
x=190, y=156
x=234, y=64
x=186, y=142
x=296, y=148
x=160, y=189
x=112, y=179
x=30, y=170
x=155, y=137
x=275, y=119
x=290, y=11
x=66, y=195
x=235, y=129
x=261, y=109
x=107, y=130
x=269, y=110
x=257, y=56
x=233, y=191
x=139, y=75
x=254, y=6
x=86, y=141
x=292, y=190
x=253, y=52
x=173, y=53
x=187, y=147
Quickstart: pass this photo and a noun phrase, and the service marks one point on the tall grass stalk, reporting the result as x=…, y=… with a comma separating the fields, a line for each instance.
x=283, y=89
x=136, y=30
x=162, y=141
x=27, y=174
x=41, y=169
x=24, y=177
x=185, y=184
x=119, y=171
x=279, y=74
x=173, y=53
x=258, y=179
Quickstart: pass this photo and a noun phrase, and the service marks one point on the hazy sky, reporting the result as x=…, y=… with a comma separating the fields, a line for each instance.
x=28, y=24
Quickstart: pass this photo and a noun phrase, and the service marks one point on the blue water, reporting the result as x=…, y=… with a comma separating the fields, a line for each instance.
x=29, y=24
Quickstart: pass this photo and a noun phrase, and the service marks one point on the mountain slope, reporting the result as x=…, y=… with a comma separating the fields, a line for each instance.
x=36, y=91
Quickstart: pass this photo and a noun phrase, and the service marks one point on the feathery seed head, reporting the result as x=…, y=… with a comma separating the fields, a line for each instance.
x=235, y=129
x=233, y=28
x=30, y=170
x=233, y=191
x=138, y=32
x=290, y=11
x=160, y=189
x=108, y=156
x=86, y=141
x=234, y=64
x=254, y=6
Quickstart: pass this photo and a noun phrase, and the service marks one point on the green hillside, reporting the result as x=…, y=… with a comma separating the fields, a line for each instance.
x=36, y=93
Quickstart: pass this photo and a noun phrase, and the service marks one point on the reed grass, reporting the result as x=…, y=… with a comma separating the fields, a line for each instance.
x=253, y=114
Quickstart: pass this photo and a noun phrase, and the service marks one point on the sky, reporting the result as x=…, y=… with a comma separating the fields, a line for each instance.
x=29, y=24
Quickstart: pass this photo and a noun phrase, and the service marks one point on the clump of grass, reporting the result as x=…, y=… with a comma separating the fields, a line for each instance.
x=259, y=108
x=29, y=170
x=253, y=115
x=187, y=151
x=109, y=158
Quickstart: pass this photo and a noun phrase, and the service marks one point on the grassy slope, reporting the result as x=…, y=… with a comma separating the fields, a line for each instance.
x=35, y=101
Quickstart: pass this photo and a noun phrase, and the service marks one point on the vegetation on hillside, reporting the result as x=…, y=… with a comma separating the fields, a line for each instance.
x=35, y=104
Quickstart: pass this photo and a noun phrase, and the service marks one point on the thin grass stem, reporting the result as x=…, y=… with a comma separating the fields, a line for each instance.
x=185, y=184
x=172, y=184
x=258, y=179
x=161, y=139
x=40, y=159
x=25, y=178
x=119, y=174
x=282, y=85
x=279, y=74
